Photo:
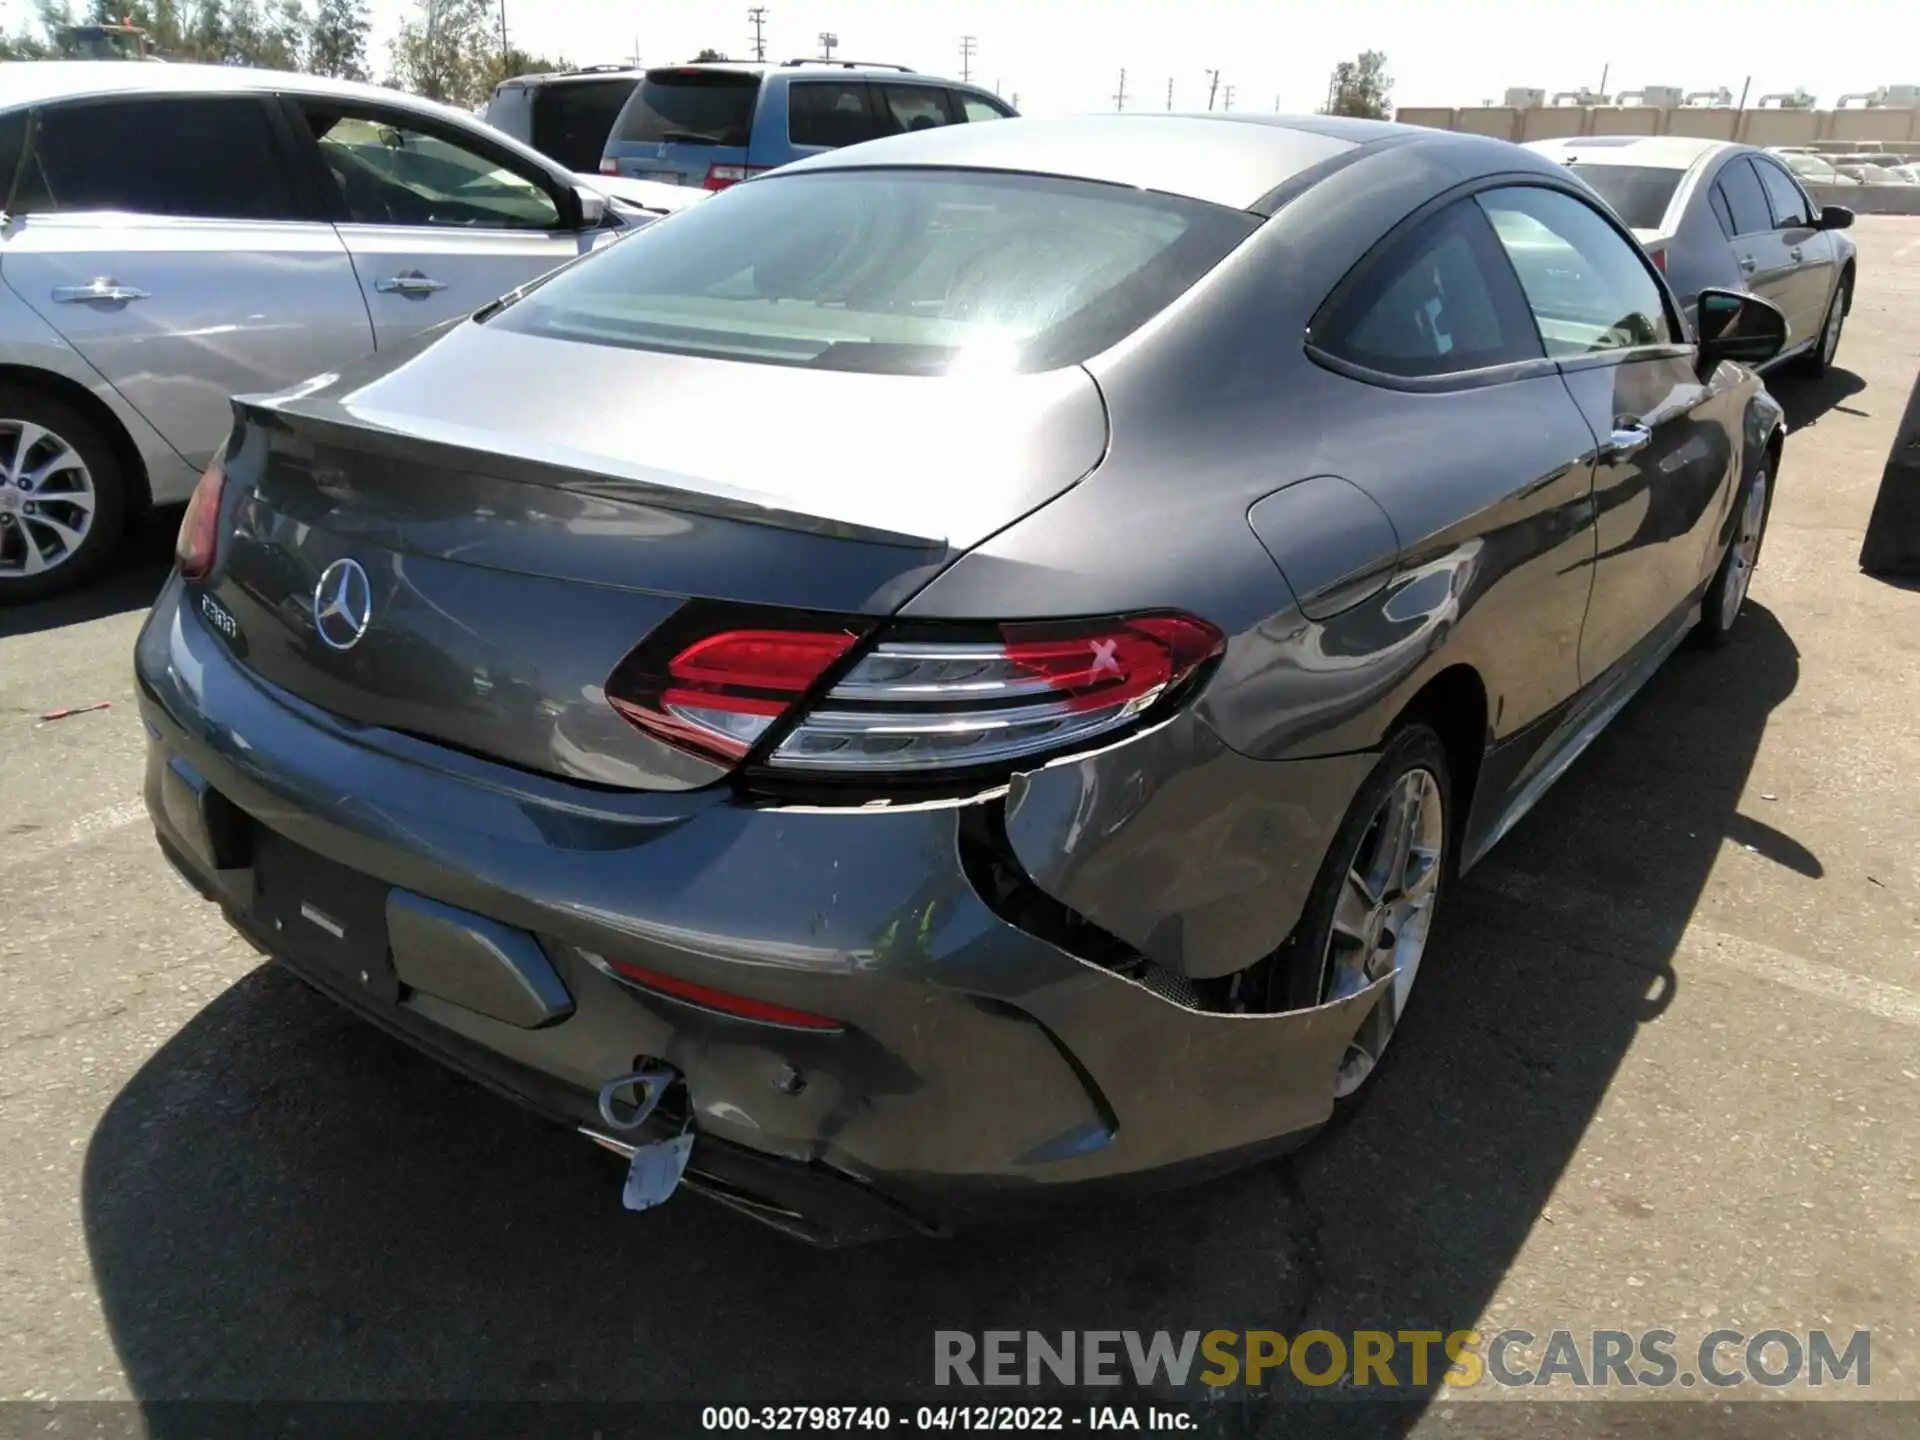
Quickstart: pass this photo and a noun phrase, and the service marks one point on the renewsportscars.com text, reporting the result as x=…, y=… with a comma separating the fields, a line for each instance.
x=1415, y=1359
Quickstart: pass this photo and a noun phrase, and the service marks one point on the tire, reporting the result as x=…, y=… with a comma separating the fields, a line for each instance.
x=1725, y=598
x=1305, y=971
x=73, y=505
x=1819, y=360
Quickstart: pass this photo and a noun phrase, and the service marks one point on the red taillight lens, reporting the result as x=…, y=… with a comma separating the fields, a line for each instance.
x=199, y=542
x=922, y=701
x=719, y=695
x=719, y=177
x=707, y=998
x=1659, y=258
x=609, y=165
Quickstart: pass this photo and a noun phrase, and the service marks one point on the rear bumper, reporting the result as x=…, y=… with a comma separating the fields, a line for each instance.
x=980, y=1065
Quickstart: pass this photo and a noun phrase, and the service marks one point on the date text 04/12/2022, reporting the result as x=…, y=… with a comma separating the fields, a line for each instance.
x=757, y=1419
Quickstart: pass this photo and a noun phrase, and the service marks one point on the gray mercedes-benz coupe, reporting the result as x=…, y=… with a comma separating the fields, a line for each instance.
x=963, y=668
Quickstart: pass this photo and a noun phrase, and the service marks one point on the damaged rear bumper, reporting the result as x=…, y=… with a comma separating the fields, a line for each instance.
x=978, y=1063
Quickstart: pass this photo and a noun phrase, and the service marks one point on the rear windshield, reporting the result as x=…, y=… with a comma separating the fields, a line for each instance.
x=1637, y=193
x=572, y=119
x=690, y=107
x=891, y=272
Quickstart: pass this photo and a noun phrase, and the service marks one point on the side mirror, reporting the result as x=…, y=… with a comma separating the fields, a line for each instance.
x=592, y=207
x=1835, y=217
x=1738, y=327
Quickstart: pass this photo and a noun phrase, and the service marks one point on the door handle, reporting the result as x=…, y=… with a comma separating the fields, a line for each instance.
x=97, y=290
x=1795, y=252
x=409, y=282
x=1628, y=439
x=1747, y=263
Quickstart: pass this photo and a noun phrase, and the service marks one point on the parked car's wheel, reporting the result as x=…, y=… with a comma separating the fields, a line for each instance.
x=1724, y=598
x=62, y=496
x=1819, y=359
x=1373, y=903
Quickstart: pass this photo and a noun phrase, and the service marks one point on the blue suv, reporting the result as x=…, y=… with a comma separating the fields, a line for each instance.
x=713, y=125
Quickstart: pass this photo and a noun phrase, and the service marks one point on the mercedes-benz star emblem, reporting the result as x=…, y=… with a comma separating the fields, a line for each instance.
x=342, y=604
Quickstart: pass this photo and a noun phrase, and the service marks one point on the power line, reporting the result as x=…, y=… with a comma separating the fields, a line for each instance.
x=758, y=16
x=1120, y=95
x=967, y=47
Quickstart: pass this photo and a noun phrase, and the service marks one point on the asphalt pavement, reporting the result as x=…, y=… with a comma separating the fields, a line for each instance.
x=1661, y=1072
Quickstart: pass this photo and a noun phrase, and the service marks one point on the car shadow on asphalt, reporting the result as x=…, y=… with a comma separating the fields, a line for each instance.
x=1806, y=398
x=133, y=576
x=284, y=1204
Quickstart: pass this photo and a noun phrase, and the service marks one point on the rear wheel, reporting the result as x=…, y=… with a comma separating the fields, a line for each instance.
x=1373, y=903
x=62, y=496
x=1721, y=606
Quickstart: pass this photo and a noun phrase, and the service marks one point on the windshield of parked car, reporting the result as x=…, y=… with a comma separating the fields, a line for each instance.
x=1639, y=194
x=690, y=107
x=898, y=272
x=1810, y=167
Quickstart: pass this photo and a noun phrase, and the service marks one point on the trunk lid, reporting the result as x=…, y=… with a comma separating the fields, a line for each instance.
x=527, y=510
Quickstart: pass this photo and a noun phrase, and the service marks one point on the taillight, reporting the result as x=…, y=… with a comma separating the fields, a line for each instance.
x=919, y=705
x=609, y=165
x=1659, y=258
x=719, y=177
x=921, y=701
x=199, y=542
x=720, y=694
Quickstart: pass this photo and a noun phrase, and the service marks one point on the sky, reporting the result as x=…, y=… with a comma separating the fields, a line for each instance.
x=1062, y=56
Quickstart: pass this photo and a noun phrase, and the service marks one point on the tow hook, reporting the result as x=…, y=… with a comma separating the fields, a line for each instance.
x=626, y=1104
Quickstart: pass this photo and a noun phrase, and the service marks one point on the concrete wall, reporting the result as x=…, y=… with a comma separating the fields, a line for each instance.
x=1869, y=199
x=1753, y=127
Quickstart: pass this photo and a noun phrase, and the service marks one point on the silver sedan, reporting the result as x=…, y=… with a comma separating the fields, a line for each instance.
x=179, y=234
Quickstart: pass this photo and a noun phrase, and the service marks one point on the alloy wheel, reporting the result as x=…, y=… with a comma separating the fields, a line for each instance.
x=47, y=499
x=1746, y=551
x=1383, y=914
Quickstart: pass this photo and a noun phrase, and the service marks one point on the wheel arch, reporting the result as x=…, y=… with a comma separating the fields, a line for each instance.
x=54, y=386
x=1453, y=703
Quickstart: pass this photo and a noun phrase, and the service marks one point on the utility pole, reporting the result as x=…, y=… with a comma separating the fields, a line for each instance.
x=1605, y=70
x=1213, y=85
x=1120, y=95
x=758, y=15
x=1169, y=94
x=1015, y=102
x=1276, y=104
x=1226, y=98
x=967, y=46
x=827, y=41
x=503, y=34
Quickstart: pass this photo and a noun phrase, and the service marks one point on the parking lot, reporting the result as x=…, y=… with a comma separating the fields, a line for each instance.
x=1663, y=1072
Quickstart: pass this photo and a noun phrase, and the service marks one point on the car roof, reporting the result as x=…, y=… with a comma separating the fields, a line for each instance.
x=1653, y=152
x=34, y=82
x=1225, y=159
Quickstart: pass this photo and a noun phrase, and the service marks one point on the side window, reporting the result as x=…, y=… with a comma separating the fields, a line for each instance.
x=1438, y=301
x=1790, y=210
x=213, y=159
x=829, y=112
x=1589, y=287
x=974, y=109
x=1746, y=201
x=389, y=173
x=913, y=107
x=1717, y=198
